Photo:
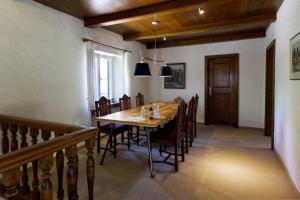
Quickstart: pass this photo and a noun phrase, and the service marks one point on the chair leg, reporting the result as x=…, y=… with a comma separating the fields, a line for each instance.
x=129, y=133
x=182, y=150
x=115, y=146
x=191, y=136
x=122, y=137
x=106, y=147
x=176, y=157
x=160, y=149
x=195, y=129
x=186, y=143
x=98, y=142
x=138, y=135
x=111, y=142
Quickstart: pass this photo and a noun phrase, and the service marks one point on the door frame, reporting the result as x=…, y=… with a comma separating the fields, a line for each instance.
x=235, y=86
x=272, y=100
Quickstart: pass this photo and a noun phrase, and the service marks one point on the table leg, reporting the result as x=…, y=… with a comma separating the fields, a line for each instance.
x=150, y=152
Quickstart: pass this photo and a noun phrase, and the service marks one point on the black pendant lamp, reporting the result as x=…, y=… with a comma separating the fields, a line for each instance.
x=142, y=70
x=165, y=71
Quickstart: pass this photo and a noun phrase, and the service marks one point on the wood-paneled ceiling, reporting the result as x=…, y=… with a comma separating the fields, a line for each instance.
x=180, y=21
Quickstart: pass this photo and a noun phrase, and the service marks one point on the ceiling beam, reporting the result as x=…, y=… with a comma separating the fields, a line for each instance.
x=149, y=11
x=207, y=28
x=209, y=39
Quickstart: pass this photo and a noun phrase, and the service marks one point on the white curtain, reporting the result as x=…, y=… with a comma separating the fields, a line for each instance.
x=92, y=85
x=127, y=74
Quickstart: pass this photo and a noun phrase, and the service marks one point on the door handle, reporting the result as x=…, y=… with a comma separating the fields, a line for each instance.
x=209, y=91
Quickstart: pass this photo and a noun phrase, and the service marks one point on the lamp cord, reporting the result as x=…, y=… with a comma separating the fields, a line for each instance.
x=142, y=57
x=155, y=56
x=155, y=48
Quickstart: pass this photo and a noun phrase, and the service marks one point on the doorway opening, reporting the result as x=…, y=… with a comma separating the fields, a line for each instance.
x=270, y=91
x=222, y=89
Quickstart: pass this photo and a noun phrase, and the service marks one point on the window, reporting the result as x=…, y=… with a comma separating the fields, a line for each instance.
x=109, y=75
x=103, y=77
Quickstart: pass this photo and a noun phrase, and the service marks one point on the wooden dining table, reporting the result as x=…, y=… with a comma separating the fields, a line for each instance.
x=168, y=111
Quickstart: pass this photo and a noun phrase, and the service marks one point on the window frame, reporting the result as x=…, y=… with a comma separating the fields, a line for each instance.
x=98, y=56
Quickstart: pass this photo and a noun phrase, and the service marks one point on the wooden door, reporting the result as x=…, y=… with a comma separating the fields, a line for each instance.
x=270, y=91
x=221, y=96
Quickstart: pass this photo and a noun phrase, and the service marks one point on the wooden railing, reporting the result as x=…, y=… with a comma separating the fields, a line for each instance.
x=40, y=153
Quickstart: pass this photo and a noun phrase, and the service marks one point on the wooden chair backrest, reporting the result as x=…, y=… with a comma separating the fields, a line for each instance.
x=184, y=118
x=180, y=117
x=125, y=102
x=139, y=99
x=191, y=109
x=102, y=107
x=196, y=105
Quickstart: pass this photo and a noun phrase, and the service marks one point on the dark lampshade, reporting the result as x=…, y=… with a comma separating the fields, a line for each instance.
x=165, y=71
x=142, y=70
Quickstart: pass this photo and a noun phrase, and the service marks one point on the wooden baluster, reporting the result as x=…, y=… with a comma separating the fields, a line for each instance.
x=35, y=164
x=14, y=145
x=11, y=180
x=90, y=166
x=5, y=141
x=76, y=167
x=60, y=171
x=71, y=153
x=46, y=135
x=25, y=189
x=2, y=189
x=5, y=146
x=46, y=185
x=14, y=141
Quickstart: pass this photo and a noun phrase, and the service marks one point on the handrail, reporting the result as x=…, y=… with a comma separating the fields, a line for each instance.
x=15, y=159
x=39, y=124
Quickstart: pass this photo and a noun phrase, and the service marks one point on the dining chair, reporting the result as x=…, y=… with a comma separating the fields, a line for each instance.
x=139, y=99
x=139, y=102
x=125, y=104
x=189, y=124
x=111, y=129
x=172, y=136
x=195, y=115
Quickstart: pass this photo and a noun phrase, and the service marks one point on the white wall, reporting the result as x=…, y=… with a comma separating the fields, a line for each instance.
x=252, y=76
x=43, y=62
x=287, y=92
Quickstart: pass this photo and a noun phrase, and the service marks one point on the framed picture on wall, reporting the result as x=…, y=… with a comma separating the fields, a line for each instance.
x=295, y=57
x=177, y=81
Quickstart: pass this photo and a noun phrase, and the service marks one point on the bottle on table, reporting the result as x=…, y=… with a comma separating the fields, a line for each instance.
x=150, y=112
x=156, y=111
x=143, y=112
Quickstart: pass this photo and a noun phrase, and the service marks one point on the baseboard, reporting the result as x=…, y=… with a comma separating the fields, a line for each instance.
x=243, y=127
x=287, y=172
x=200, y=124
x=252, y=128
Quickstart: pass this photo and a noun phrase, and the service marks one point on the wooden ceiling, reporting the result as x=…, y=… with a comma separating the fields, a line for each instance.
x=180, y=21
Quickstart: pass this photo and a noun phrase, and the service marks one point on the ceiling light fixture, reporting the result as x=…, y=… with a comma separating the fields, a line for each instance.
x=142, y=69
x=201, y=11
x=155, y=22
